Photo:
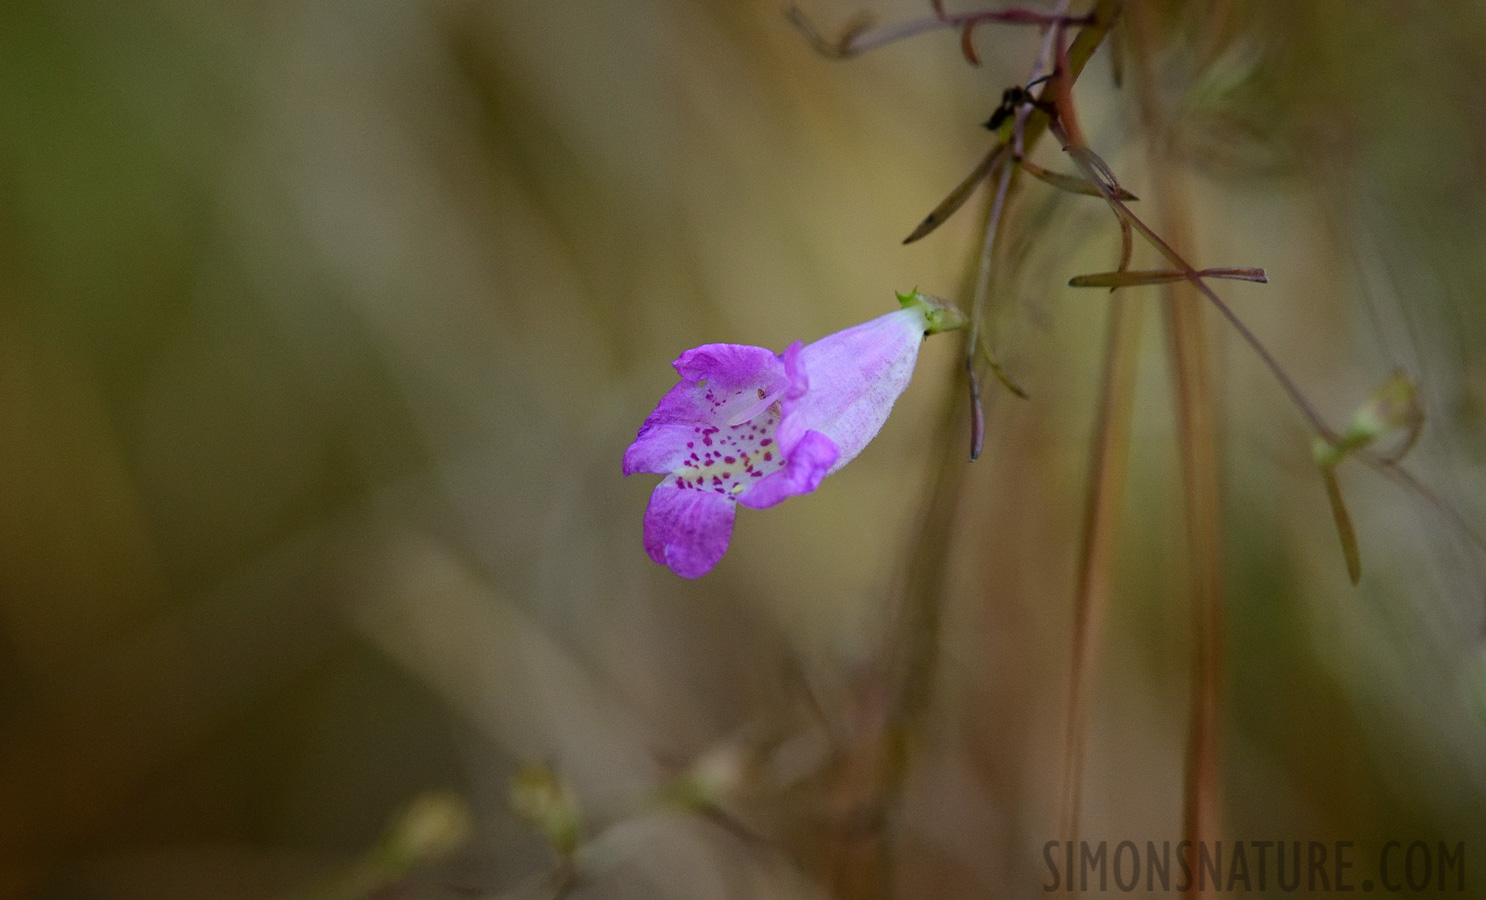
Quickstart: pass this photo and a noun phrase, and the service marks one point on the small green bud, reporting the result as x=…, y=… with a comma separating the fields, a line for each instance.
x=719, y=774
x=430, y=828
x=541, y=798
x=1393, y=406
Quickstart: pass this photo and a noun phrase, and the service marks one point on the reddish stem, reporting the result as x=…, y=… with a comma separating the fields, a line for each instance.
x=860, y=40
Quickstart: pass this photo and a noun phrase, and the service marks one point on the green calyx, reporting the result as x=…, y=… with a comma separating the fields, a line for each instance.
x=939, y=314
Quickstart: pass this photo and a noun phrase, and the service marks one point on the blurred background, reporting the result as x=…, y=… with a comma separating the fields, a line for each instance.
x=324, y=325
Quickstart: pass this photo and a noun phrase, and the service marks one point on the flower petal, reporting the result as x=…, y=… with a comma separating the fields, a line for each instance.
x=661, y=446
x=719, y=384
x=687, y=529
x=854, y=377
x=794, y=371
x=806, y=465
x=728, y=365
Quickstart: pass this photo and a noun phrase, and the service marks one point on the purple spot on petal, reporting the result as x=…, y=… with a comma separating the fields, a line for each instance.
x=729, y=459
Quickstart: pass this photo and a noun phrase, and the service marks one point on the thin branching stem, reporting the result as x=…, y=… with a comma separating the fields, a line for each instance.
x=877, y=768
x=1005, y=171
x=860, y=39
x=1095, y=172
x=1393, y=469
x=1004, y=174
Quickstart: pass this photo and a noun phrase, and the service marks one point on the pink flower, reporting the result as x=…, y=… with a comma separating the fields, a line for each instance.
x=746, y=425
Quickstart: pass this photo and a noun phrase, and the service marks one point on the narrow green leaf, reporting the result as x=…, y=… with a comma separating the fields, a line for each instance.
x=1344, y=529
x=1000, y=373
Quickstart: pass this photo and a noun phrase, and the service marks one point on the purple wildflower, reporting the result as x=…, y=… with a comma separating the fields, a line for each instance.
x=746, y=425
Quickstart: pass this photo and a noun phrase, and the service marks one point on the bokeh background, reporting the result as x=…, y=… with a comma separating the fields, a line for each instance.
x=324, y=324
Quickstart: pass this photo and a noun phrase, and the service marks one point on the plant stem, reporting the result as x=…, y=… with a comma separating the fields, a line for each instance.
x=1196, y=406
x=1108, y=466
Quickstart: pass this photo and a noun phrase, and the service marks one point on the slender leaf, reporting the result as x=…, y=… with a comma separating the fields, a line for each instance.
x=1071, y=183
x=1344, y=529
x=1000, y=373
x=843, y=47
x=957, y=197
x=1127, y=278
x=1127, y=244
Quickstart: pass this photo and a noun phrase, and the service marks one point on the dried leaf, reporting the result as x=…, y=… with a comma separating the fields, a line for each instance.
x=967, y=44
x=841, y=47
x=1240, y=273
x=958, y=196
x=1071, y=183
x=1126, y=278
x=1127, y=243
